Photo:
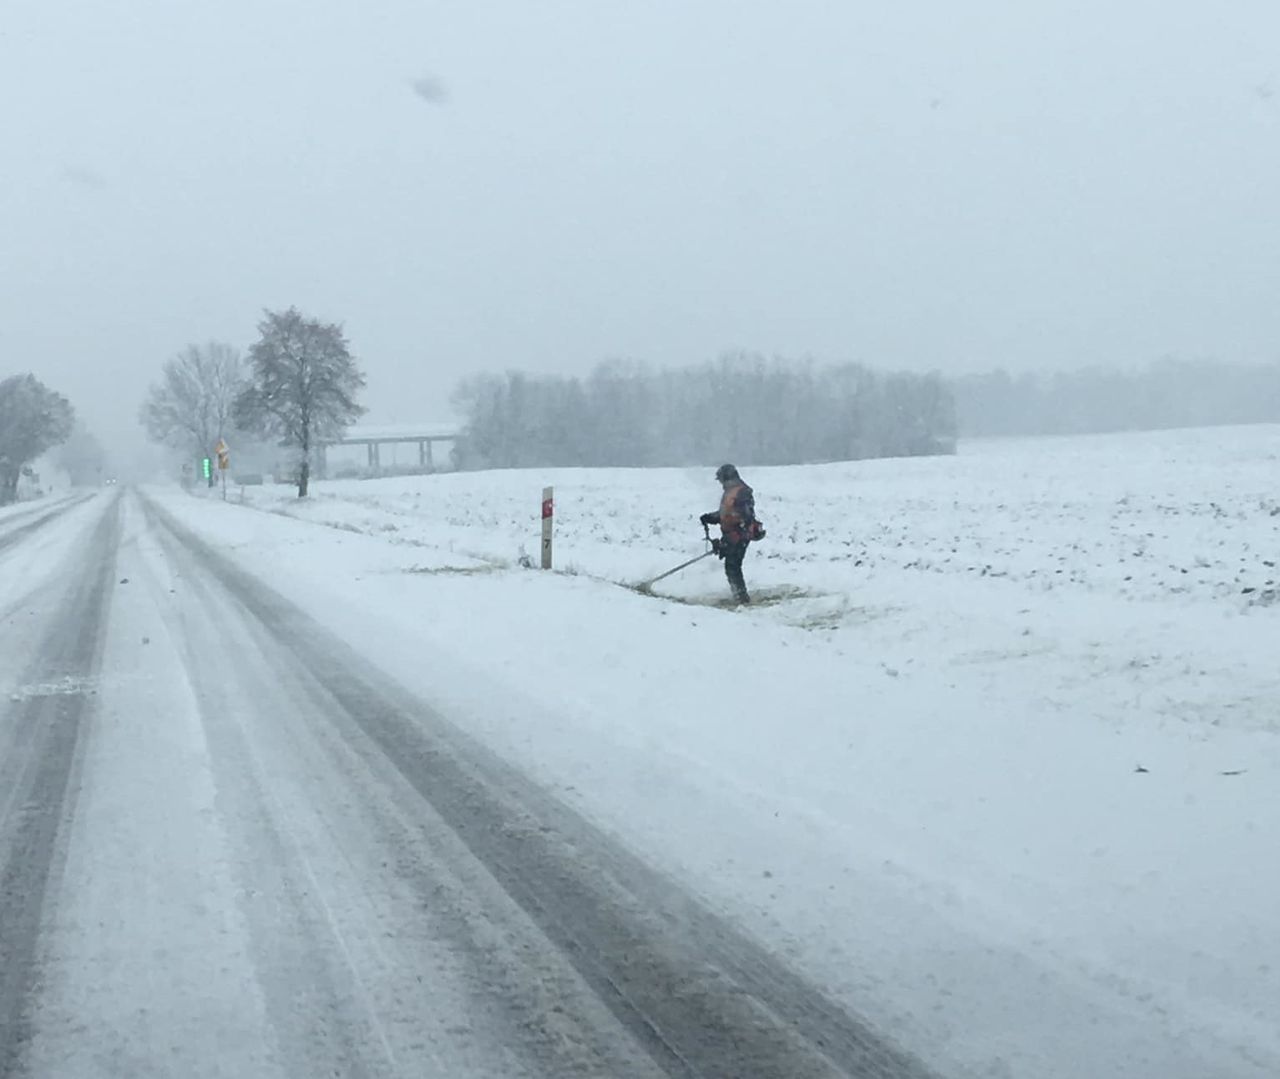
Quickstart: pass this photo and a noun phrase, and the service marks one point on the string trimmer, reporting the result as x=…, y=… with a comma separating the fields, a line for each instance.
x=647, y=585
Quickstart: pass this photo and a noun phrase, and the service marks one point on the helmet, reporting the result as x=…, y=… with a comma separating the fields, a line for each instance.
x=727, y=472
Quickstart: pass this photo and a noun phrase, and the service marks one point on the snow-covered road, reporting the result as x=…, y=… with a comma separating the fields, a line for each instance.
x=231, y=845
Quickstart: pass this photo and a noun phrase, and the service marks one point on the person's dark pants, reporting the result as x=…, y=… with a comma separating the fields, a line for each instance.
x=734, y=553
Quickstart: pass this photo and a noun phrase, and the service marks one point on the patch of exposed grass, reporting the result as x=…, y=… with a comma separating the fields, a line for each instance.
x=454, y=571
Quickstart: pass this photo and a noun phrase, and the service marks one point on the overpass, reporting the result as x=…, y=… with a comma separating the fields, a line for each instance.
x=374, y=437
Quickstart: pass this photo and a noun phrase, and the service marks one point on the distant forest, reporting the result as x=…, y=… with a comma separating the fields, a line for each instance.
x=1171, y=393
x=741, y=408
x=756, y=411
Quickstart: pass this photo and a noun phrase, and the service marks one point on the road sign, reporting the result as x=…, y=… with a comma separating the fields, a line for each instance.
x=224, y=455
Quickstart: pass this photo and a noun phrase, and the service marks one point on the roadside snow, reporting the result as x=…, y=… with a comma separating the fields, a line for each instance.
x=30, y=507
x=996, y=759
x=33, y=569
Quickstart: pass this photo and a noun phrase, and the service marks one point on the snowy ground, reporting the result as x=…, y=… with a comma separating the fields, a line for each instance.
x=996, y=760
x=232, y=847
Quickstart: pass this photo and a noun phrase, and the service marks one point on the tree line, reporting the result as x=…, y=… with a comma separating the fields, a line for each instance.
x=1092, y=400
x=298, y=387
x=742, y=407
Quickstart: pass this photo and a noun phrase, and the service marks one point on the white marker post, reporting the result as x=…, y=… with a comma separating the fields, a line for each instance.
x=548, y=515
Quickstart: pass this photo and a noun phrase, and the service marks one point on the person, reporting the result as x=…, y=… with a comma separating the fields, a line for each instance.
x=738, y=527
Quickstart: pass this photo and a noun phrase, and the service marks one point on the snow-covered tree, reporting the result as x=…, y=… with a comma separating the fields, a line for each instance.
x=302, y=386
x=33, y=419
x=190, y=407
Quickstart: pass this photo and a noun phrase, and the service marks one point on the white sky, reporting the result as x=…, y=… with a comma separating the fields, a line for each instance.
x=1027, y=183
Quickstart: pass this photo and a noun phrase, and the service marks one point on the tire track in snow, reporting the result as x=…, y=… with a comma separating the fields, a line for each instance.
x=40, y=517
x=317, y=1005
x=414, y=960
x=28, y=594
x=39, y=740
x=702, y=998
x=20, y=511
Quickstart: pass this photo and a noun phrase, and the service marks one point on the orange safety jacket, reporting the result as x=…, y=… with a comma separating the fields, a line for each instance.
x=737, y=512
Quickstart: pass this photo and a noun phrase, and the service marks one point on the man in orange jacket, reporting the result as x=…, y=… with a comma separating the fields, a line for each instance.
x=738, y=527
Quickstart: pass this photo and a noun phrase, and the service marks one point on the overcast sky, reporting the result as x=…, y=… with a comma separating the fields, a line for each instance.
x=472, y=186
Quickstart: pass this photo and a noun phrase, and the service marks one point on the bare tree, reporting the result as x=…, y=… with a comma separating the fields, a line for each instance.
x=33, y=419
x=190, y=408
x=303, y=385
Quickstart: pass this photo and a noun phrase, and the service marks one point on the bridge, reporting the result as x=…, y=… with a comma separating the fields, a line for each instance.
x=373, y=438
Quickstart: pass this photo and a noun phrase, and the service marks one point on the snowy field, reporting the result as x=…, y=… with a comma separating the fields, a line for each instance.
x=996, y=758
